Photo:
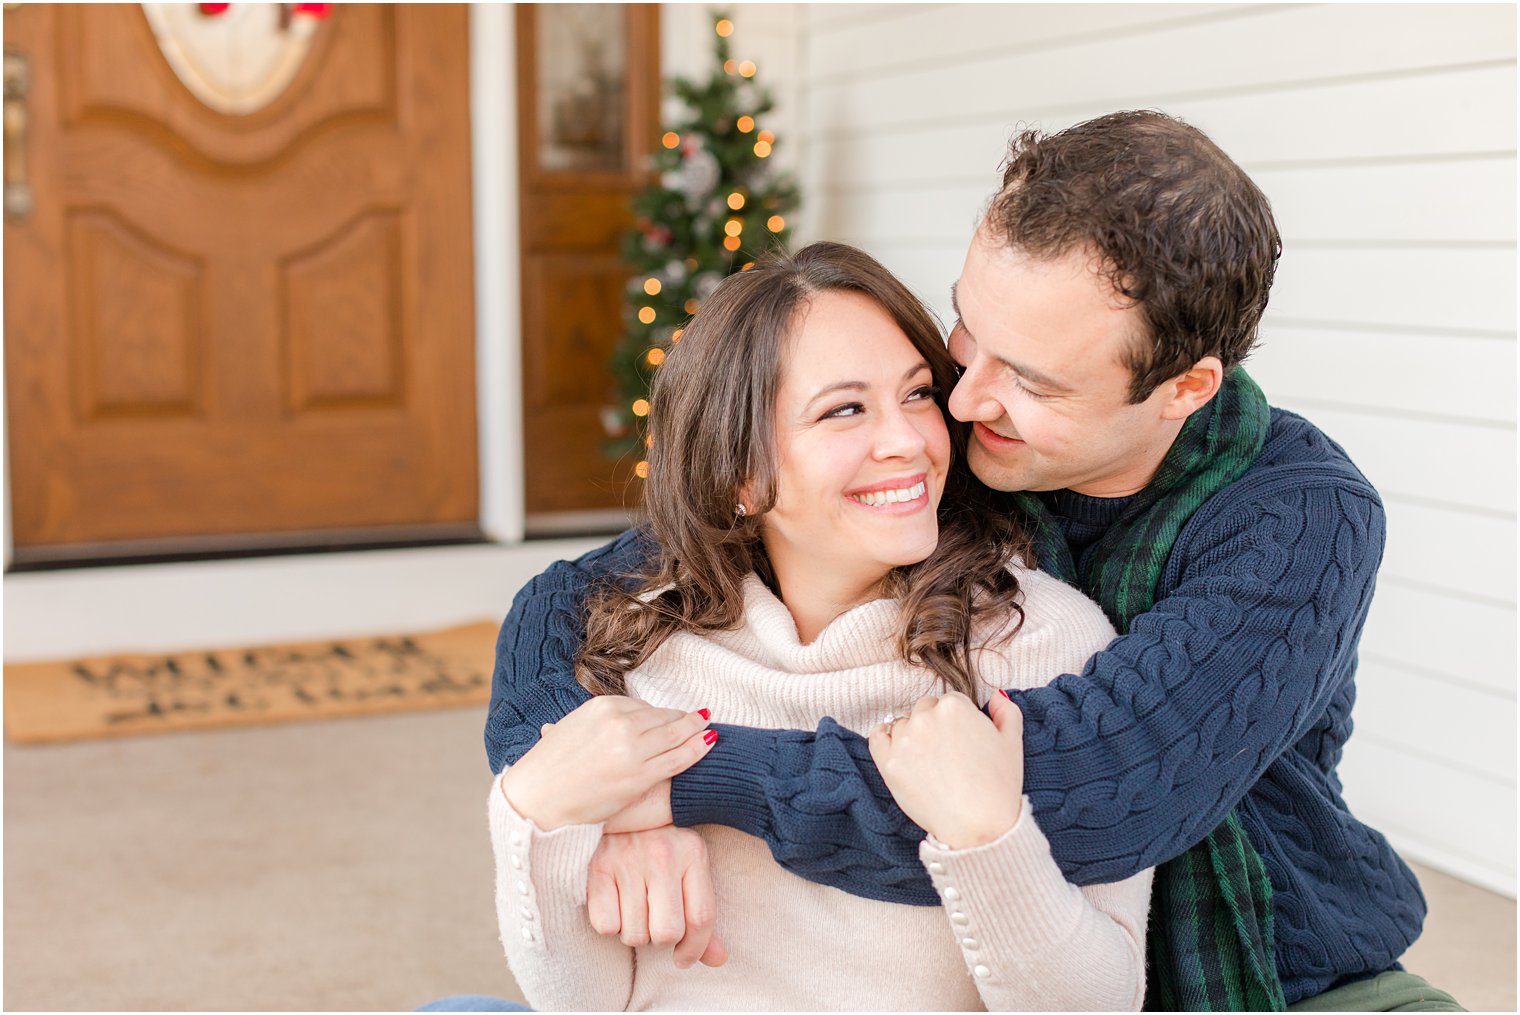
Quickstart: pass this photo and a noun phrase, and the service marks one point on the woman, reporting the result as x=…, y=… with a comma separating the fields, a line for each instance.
x=825, y=553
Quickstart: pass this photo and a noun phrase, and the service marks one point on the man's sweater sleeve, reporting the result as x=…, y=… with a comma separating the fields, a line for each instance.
x=1137, y=757
x=534, y=681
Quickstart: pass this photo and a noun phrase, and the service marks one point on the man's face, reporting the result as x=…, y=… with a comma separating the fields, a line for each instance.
x=1042, y=344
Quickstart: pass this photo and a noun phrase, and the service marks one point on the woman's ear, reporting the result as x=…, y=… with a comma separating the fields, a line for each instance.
x=745, y=503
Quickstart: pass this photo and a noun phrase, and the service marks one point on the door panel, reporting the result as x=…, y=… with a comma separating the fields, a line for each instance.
x=229, y=325
x=585, y=134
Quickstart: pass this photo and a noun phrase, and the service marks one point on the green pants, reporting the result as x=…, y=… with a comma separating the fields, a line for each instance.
x=1390, y=991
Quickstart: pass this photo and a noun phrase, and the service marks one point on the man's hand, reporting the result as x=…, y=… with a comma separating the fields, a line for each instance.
x=655, y=886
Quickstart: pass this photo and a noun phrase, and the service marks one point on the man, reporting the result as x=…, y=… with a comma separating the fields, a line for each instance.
x=1111, y=291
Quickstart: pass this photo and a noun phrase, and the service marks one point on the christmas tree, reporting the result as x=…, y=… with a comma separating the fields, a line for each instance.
x=716, y=206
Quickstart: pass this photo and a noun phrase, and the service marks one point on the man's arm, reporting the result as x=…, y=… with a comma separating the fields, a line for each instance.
x=1127, y=764
x=534, y=682
x=1139, y=756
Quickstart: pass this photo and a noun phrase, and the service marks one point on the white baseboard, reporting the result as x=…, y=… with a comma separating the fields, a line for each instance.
x=206, y=604
x=1446, y=860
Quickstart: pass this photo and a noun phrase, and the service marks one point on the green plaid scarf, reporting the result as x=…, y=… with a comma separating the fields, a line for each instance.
x=1210, y=940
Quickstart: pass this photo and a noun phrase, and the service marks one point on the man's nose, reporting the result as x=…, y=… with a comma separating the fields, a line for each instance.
x=970, y=399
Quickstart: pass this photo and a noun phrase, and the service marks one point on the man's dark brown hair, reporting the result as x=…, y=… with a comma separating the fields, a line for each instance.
x=1176, y=227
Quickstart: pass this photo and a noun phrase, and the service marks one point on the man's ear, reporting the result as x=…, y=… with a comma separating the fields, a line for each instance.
x=1188, y=392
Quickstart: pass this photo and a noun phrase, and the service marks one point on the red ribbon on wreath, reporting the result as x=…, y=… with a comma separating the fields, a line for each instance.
x=321, y=12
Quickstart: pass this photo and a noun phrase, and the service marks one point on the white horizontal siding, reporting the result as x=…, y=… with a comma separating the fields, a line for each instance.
x=1400, y=202
x=1309, y=362
x=1466, y=541
x=1462, y=727
x=1384, y=136
x=1438, y=199
x=1415, y=116
x=1435, y=630
x=1253, y=48
x=1435, y=287
x=888, y=42
x=1426, y=458
x=1450, y=819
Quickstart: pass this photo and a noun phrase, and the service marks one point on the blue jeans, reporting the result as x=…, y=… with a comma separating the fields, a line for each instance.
x=473, y=1002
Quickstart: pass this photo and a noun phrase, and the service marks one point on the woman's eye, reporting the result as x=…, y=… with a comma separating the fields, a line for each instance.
x=843, y=411
x=926, y=391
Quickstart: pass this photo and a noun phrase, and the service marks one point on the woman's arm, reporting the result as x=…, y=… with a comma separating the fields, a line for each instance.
x=1030, y=940
x=546, y=814
x=560, y=963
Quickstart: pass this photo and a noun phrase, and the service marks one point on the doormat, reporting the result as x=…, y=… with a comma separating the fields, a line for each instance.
x=123, y=695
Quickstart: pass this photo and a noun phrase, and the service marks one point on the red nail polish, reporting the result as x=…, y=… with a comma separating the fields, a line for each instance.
x=710, y=737
x=1004, y=694
x=704, y=713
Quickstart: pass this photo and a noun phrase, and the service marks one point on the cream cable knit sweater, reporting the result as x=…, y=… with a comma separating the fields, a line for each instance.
x=1012, y=933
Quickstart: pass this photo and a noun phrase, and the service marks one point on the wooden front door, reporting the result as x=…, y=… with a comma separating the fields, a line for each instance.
x=588, y=106
x=233, y=326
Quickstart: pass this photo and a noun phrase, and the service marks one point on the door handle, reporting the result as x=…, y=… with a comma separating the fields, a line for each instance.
x=18, y=189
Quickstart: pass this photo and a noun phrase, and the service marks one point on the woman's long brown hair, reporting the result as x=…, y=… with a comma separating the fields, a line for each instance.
x=711, y=424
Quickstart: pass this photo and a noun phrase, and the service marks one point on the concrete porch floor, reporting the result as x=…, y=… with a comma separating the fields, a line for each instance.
x=342, y=865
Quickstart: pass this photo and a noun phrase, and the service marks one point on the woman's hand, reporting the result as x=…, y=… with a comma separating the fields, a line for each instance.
x=602, y=757
x=956, y=773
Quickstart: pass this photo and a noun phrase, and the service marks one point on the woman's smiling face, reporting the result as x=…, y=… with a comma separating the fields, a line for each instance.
x=862, y=449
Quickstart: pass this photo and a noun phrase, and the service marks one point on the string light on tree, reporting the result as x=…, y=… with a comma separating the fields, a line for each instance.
x=715, y=205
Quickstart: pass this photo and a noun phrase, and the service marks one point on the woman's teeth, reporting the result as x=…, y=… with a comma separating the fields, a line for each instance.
x=880, y=497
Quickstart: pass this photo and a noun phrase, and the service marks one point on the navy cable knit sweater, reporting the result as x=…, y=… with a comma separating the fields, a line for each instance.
x=1235, y=689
